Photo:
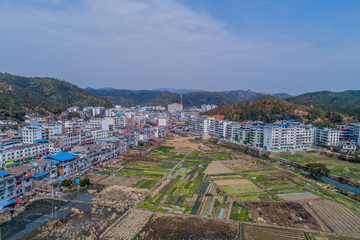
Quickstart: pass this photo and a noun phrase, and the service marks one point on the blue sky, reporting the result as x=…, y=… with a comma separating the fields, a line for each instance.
x=273, y=46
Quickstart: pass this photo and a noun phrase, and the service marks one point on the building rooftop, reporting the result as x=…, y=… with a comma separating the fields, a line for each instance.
x=4, y=174
x=62, y=156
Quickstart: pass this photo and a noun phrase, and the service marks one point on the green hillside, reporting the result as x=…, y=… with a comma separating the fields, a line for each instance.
x=269, y=109
x=130, y=98
x=21, y=95
x=347, y=102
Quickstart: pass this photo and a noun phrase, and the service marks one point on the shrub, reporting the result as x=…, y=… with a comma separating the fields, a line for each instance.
x=84, y=182
x=66, y=183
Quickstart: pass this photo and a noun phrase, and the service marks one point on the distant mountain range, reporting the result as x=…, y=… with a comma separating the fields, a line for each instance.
x=21, y=95
x=164, y=96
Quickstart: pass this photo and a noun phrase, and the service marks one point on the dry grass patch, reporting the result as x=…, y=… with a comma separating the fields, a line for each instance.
x=120, y=197
x=120, y=181
x=128, y=225
x=217, y=167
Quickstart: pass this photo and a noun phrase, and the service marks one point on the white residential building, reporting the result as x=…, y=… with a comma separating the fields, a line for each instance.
x=355, y=132
x=327, y=137
x=98, y=123
x=175, y=107
x=283, y=137
x=31, y=134
x=50, y=130
x=207, y=107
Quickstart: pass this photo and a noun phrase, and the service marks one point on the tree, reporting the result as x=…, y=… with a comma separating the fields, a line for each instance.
x=84, y=182
x=140, y=143
x=318, y=170
x=98, y=116
x=73, y=115
x=66, y=183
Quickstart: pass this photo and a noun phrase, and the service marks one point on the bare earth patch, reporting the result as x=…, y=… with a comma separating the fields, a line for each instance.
x=176, y=227
x=96, y=178
x=120, y=197
x=233, y=182
x=241, y=165
x=217, y=167
x=128, y=181
x=298, y=196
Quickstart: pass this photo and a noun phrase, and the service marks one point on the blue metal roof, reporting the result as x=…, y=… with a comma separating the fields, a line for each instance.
x=119, y=115
x=3, y=174
x=41, y=141
x=284, y=126
x=7, y=203
x=62, y=156
x=9, y=143
x=40, y=175
x=54, y=163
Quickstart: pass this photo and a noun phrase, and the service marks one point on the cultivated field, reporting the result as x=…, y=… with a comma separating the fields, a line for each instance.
x=337, y=217
x=337, y=167
x=176, y=227
x=152, y=170
x=128, y=225
x=239, y=187
x=282, y=214
x=251, y=232
x=274, y=181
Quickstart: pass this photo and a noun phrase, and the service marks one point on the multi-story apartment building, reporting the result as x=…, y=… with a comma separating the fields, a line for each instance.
x=355, y=132
x=120, y=120
x=199, y=125
x=13, y=185
x=98, y=123
x=284, y=137
x=327, y=137
x=244, y=135
x=175, y=107
x=257, y=136
x=207, y=107
x=31, y=134
x=232, y=131
x=22, y=153
x=50, y=130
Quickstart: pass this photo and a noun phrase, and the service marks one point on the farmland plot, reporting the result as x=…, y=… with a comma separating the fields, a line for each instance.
x=176, y=227
x=274, y=181
x=147, y=169
x=252, y=232
x=282, y=214
x=337, y=217
x=239, y=187
x=128, y=225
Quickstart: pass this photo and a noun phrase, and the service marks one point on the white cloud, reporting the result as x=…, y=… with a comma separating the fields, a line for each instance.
x=140, y=44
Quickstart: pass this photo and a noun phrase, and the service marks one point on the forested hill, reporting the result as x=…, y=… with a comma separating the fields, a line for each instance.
x=269, y=109
x=21, y=95
x=347, y=102
x=191, y=98
x=128, y=98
